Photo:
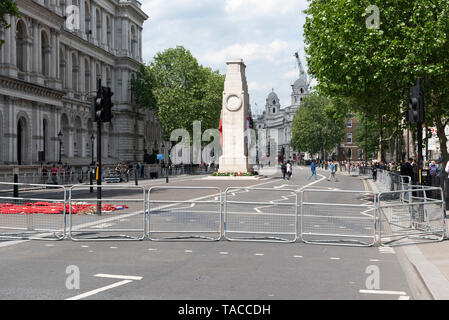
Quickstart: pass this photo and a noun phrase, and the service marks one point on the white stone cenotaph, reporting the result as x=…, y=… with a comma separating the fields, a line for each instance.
x=234, y=115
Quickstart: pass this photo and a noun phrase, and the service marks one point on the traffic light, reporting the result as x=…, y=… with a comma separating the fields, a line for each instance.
x=97, y=105
x=416, y=112
x=107, y=105
x=102, y=105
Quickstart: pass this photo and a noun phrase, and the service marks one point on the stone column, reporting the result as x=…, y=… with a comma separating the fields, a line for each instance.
x=235, y=111
x=93, y=20
x=69, y=69
x=125, y=37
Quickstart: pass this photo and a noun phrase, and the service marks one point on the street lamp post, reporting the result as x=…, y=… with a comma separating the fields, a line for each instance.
x=60, y=145
x=92, y=138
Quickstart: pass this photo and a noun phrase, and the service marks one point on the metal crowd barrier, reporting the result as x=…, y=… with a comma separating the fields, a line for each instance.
x=349, y=220
x=272, y=220
x=32, y=215
x=411, y=217
x=120, y=214
x=198, y=219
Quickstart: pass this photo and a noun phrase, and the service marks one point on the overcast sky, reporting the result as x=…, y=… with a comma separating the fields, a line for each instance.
x=265, y=33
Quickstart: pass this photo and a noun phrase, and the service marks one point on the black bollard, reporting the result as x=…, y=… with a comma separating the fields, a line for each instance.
x=135, y=175
x=16, y=187
x=91, y=176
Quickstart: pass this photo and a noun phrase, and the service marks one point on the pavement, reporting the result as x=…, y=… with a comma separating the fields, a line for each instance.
x=429, y=260
x=204, y=270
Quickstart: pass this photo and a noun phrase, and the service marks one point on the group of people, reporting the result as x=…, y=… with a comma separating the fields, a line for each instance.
x=287, y=170
x=62, y=172
x=128, y=168
x=410, y=169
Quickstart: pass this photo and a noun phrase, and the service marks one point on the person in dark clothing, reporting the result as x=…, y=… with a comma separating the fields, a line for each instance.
x=407, y=169
x=284, y=170
x=374, y=169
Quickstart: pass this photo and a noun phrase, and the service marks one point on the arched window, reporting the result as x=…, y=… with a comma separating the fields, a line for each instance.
x=65, y=135
x=99, y=20
x=45, y=138
x=302, y=90
x=21, y=53
x=133, y=42
x=45, y=54
x=75, y=69
x=274, y=110
x=62, y=67
x=77, y=145
x=108, y=32
x=87, y=28
x=87, y=75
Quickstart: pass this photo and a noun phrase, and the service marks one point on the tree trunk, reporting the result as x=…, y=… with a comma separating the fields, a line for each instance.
x=381, y=132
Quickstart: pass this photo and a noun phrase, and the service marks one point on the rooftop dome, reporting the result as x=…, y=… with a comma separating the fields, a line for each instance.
x=301, y=82
x=272, y=96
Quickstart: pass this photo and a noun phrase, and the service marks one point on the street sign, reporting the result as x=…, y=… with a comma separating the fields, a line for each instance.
x=160, y=157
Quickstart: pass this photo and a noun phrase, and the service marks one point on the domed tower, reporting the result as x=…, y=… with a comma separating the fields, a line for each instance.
x=273, y=105
x=300, y=88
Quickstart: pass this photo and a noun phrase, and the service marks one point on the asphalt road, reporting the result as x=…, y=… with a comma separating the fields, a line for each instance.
x=221, y=270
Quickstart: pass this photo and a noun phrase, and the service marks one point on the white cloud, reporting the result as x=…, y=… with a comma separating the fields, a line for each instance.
x=265, y=33
x=249, y=52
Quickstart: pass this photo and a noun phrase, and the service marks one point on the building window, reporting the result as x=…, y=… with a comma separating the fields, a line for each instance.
x=274, y=110
x=349, y=123
x=349, y=138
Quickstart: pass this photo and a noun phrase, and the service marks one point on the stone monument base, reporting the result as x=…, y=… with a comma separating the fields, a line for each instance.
x=234, y=165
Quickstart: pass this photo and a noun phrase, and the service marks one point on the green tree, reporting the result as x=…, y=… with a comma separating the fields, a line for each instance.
x=318, y=126
x=7, y=7
x=373, y=66
x=180, y=90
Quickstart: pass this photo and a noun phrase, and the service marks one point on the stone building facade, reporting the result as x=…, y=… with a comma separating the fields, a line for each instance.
x=275, y=124
x=48, y=75
x=348, y=149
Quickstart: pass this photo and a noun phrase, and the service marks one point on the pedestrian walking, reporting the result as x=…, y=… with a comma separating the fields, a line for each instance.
x=332, y=174
x=284, y=170
x=313, y=169
x=289, y=170
x=54, y=174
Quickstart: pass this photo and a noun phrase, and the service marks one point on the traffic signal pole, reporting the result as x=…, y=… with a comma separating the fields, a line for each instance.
x=101, y=112
x=420, y=154
x=99, y=166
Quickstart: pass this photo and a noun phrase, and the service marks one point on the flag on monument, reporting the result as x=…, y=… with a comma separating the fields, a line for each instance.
x=220, y=128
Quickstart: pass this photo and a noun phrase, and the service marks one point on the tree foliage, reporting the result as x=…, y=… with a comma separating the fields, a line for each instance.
x=7, y=7
x=318, y=126
x=376, y=67
x=180, y=90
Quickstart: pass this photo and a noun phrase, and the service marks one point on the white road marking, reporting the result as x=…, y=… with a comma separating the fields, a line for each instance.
x=404, y=298
x=374, y=260
x=103, y=225
x=152, y=249
x=259, y=254
x=335, y=258
x=188, y=251
x=114, y=276
x=387, y=250
x=49, y=245
x=224, y=253
x=394, y=293
x=297, y=256
x=84, y=246
x=113, y=248
x=91, y=293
